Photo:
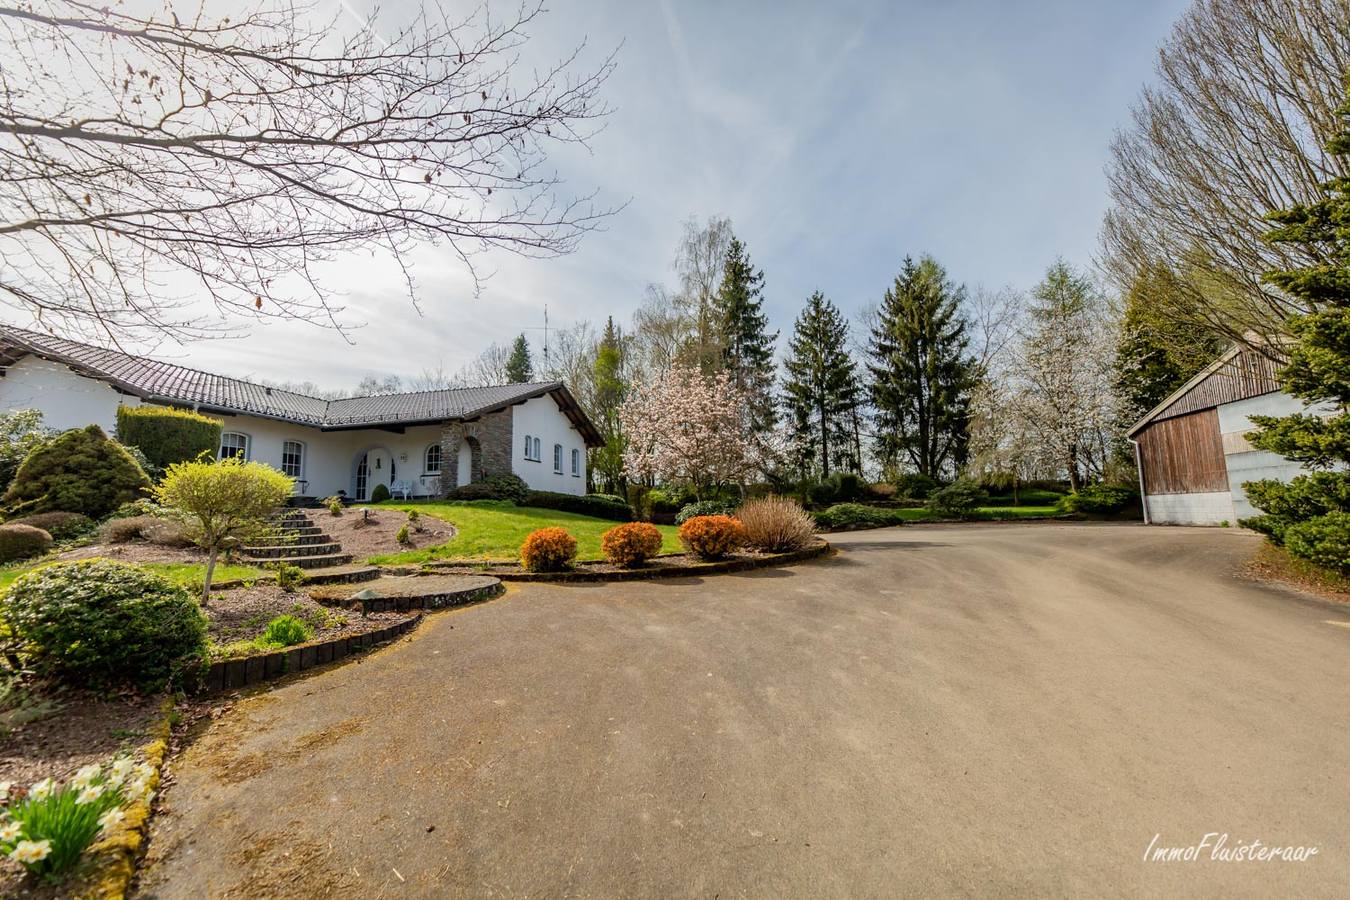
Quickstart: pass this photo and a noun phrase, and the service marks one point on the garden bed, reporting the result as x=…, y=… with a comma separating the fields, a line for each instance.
x=658, y=567
x=240, y=615
x=364, y=535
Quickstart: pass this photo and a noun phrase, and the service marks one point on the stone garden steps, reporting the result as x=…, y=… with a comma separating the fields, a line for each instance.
x=304, y=562
x=272, y=551
x=300, y=543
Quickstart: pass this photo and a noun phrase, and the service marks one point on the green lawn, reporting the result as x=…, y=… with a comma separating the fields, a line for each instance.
x=498, y=533
x=187, y=574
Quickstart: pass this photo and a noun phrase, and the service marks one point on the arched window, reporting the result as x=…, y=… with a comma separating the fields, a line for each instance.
x=557, y=458
x=529, y=448
x=538, y=453
x=293, y=459
x=576, y=463
x=233, y=444
x=432, y=464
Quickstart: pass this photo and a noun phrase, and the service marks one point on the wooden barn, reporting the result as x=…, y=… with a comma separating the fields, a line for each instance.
x=1192, y=448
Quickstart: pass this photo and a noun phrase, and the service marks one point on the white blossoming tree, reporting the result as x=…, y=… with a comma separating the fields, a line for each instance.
x=685, y=427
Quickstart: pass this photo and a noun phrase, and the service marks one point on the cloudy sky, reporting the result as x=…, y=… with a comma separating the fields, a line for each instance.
x=838, y=138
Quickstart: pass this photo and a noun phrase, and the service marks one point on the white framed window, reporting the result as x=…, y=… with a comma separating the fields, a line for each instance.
x=432, y=460
x=293, y=459
x=576, y=463
x=538, y=452
x=531, y=448
x=557, y=458
x=232, y=444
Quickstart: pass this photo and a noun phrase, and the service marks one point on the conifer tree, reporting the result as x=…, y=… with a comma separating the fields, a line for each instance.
x=519, y=368
x=610, y=391
x=747, y=345
x=1311, y=514
x=822, y=385
x=921, y=374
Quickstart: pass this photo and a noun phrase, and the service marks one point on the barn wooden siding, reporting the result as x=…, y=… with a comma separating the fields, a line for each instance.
x=1248, y=374
x=1183, y=454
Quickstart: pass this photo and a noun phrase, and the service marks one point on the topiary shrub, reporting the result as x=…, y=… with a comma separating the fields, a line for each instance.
x=957, y=499
x=380, y=494
x=1097, y=498
x=584, y=506
x=712, y=537
x=704, y=508
x=510, y=487
x=167, y=436
x=62, y=526
x=285, y=631
x=629, y=546
x=776, y=525
x=478, y=490
x=548, y=550
x=22, y=542
x=79, y=471
x=855, y=515
x=96, y=623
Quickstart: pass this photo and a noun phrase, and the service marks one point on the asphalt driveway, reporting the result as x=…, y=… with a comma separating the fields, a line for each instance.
x=983, y=711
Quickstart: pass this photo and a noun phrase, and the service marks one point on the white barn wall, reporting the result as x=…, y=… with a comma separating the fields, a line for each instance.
x=67, y=399
x=542, y=418
x=1246, y=463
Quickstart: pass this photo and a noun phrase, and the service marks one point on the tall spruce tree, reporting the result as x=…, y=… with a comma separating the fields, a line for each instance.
x=519, y=368
x=610, y=390
x=822, y=385
x=1311, y=514
x=921, y=375
x=747, y=345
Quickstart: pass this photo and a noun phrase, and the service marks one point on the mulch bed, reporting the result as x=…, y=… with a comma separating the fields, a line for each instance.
x=242, y=613
x=364, y=531
x=81, y=730
x=137, y=552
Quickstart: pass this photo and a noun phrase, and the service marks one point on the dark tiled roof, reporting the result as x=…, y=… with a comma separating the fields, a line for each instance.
x=152, y=379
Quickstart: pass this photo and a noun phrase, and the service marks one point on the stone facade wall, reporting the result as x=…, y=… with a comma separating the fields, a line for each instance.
x=491, y=440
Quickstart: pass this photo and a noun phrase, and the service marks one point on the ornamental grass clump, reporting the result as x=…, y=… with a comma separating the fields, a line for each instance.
x=48, y=827
x=712, y=537
x=629, y=546
x=776, y=525
x=548, y=550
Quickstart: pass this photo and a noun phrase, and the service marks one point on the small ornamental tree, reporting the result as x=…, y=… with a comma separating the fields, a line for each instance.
x=686, y=427
x=79, y=471
x=1309, y=514
x=223, y=504
x=167, y=436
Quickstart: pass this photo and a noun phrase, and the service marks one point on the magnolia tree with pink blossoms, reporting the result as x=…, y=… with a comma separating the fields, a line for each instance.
x=686, y=427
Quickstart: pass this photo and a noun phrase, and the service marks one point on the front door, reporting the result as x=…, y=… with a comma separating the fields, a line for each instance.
x=376, y=467
x=465, y=470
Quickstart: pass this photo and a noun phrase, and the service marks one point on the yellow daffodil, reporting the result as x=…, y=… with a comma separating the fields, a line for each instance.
x=31, y=851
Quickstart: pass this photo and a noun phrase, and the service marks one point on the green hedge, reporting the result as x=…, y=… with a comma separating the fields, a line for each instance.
x=584, y=506
x=167, y=436
x=1097, y=498
x=855, y=515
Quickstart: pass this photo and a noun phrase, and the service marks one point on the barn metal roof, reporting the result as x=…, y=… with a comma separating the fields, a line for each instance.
x=171, y=383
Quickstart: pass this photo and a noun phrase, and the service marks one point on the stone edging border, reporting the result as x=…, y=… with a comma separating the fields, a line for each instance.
x=443, y=600
x=693, y=571
x=232, y=674
x=115, y=857
x=356, y=575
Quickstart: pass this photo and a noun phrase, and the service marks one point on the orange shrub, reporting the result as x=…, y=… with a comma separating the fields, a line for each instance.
x=548, y=550
x=712, y=537
x=629, y=546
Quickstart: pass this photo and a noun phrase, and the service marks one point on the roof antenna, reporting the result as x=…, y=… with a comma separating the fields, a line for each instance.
x=545, y=330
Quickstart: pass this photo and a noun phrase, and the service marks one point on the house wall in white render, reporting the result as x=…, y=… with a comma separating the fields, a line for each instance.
x=67, y=399
x=541, y=418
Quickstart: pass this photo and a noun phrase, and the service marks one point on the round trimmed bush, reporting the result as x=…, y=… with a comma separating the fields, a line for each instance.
x=712, y=537
x=60, y=525
x=704, y=508
x=96, y=622
x=380, y=494
x=548, y=550
x=22, y=542
x=629, y=546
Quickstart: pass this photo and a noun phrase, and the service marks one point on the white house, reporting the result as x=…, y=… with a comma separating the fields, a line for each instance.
x=425, y=442
x=1192, y=448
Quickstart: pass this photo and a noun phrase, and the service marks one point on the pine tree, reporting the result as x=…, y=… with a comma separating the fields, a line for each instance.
x=822, y=385
x=922, y=376
x=519, y=369
x=747, y=346
x=1311, y=514
x=611, y=389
